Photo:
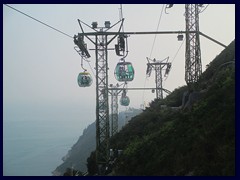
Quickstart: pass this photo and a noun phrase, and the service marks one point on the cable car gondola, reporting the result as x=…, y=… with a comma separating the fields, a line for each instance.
x=124, y=71
x=84, y=79
x=124, y=100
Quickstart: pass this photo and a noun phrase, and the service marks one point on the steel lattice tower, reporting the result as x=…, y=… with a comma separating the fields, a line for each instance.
x=102, y=108
x=158, y=79
x=101, y=65
x=114, y=111
x=158, y=67
x=193, y=65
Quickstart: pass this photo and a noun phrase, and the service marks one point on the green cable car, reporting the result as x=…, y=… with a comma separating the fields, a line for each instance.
x=124, y=101
x=124, y=71
x=84, y=79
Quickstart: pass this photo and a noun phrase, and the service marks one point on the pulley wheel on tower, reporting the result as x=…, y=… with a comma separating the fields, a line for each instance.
x=124, y=71
x=84, y=79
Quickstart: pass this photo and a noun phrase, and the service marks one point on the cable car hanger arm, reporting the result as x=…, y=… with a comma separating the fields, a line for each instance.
x=116, y=24
x=212, y=39
x=79, y=22
x=136, y=88
x=134, y=33
x=118, y=31
x=149, y=32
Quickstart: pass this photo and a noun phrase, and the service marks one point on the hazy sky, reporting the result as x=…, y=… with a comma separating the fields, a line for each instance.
x=40, y=66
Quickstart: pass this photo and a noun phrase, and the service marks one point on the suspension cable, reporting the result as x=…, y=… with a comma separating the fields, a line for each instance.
x=204, y=9
x=38, y=21
x=82, y=64
x=159, y=20
x=175, y=56
x=49, y=27
x=178, y=50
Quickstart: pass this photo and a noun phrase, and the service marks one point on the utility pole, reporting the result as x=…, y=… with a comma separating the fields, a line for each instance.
x=158, y=67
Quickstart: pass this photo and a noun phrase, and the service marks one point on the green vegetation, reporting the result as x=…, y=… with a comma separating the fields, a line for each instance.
x=199, y=142
x=81, y=150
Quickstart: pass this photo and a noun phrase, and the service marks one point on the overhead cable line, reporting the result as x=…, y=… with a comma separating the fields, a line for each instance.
x=159, y=20
x=156, y=31
x=175, y=56
x=178, y=50
x=38, y=20
x=47, y=26
x=204, y=9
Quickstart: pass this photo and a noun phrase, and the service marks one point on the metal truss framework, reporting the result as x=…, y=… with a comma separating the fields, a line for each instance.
x=193, y=65
x=102, y=108
x=158, y=79
x=158, y=67
x=114, y=111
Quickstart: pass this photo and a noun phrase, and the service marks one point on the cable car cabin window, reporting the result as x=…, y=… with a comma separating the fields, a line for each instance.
x=124, y=101
x=84, y=79
x=124, y=71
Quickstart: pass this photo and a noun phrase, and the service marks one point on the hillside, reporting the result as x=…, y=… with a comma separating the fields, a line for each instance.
x=80, y=151
x=196, y=138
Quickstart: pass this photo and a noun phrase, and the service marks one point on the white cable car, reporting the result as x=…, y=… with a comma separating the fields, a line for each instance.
x=84, y=79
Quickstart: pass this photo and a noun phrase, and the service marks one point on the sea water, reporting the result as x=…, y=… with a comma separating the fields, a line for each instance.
x=34, y=147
